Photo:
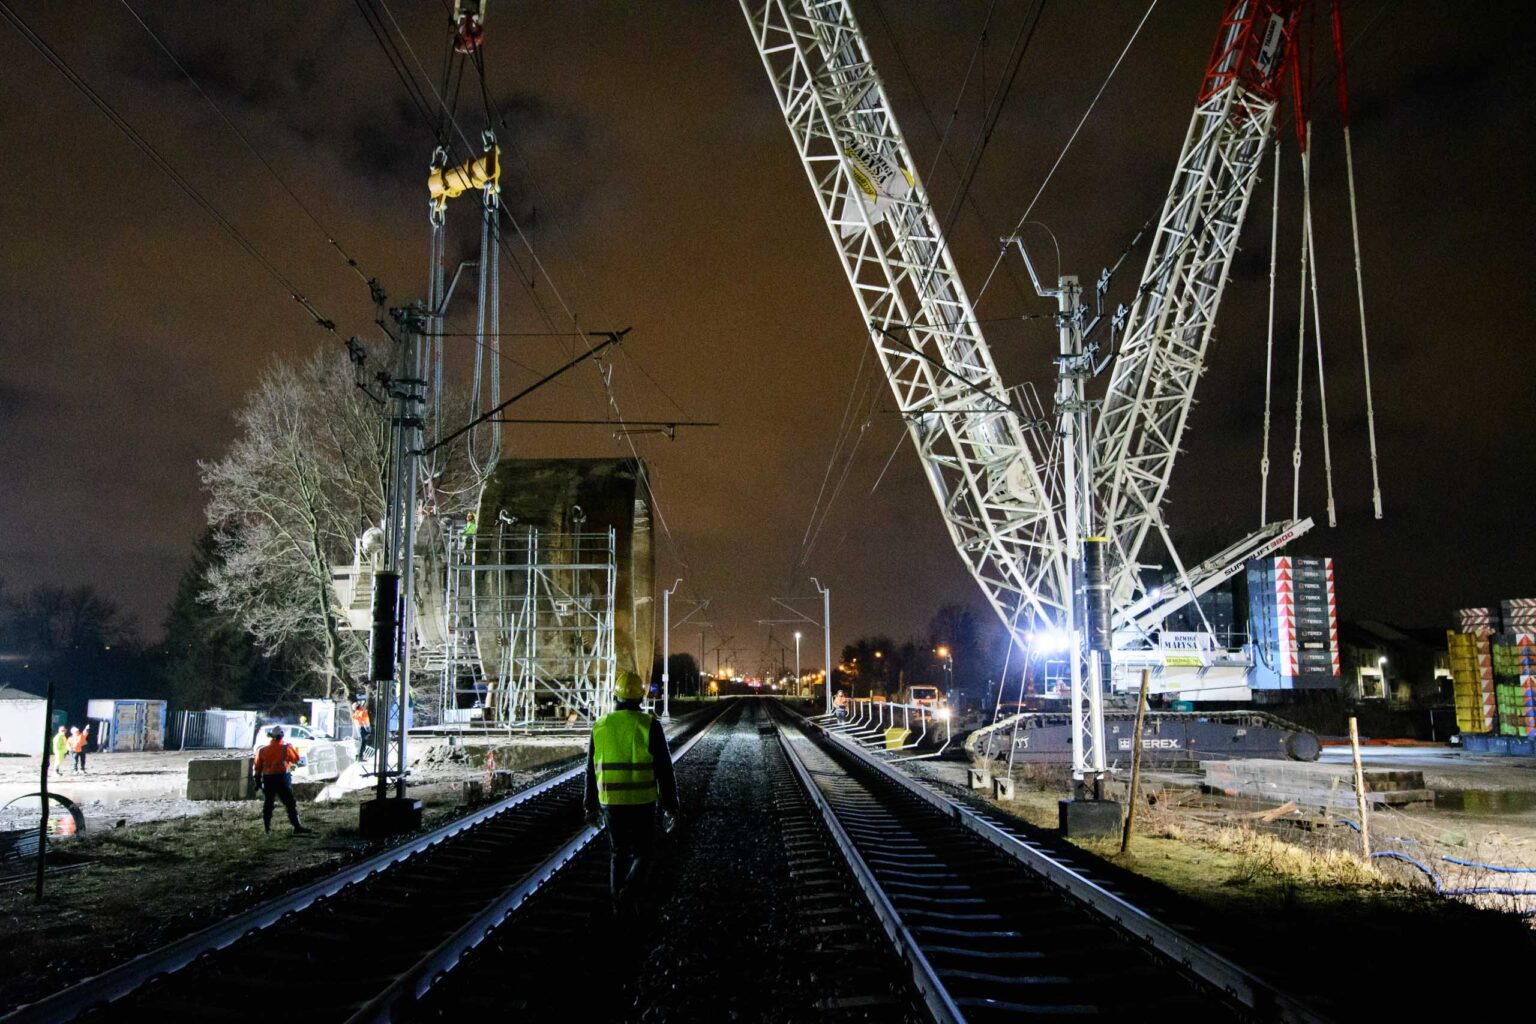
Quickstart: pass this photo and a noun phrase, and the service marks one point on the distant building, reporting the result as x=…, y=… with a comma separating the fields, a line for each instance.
x=1401, y=666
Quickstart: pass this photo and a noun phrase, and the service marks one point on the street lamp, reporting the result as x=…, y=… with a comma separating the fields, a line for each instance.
x=666, y=648
x=797, y=662
x=948, y=660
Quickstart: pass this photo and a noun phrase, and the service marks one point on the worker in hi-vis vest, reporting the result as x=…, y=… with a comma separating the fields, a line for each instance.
x=629, y=777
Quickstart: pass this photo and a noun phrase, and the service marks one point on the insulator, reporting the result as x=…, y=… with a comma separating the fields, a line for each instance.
x=1095, y=596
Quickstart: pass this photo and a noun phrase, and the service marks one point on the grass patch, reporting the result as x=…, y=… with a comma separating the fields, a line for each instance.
x=147, y=884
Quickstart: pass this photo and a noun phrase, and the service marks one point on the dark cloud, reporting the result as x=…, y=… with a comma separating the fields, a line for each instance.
x=650, y=168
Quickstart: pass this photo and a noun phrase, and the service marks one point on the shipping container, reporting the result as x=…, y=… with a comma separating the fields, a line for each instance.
x=122, y=725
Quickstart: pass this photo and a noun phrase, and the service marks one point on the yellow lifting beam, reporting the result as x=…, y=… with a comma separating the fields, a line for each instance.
x=483, y=172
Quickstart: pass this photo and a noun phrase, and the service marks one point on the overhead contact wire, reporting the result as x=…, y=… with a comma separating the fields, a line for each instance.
x=1070, y=140
x=165, y=166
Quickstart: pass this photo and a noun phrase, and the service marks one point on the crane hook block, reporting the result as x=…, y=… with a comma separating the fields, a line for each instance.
x=445, y=183
x=469, y=28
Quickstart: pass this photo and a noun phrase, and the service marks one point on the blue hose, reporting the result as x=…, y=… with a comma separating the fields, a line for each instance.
x=1434, y=878
x=1489, y=867
x=1440, y=890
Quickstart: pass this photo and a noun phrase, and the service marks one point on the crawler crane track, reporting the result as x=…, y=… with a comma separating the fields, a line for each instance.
x=994, y=929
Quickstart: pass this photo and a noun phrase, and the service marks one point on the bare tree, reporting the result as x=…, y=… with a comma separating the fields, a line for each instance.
x=305, y=476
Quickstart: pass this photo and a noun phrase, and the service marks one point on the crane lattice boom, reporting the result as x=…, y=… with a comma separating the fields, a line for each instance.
x=1152, y=385
x=974, y=445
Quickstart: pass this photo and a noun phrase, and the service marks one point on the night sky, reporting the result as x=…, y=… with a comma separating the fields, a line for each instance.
x=668, y=197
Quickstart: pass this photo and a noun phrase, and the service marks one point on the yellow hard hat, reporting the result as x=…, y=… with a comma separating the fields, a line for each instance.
x=628, y=685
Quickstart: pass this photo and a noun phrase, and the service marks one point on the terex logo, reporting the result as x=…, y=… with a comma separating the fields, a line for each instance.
x=1149, y=743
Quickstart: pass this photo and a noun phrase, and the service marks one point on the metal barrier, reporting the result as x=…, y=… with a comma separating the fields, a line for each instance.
x=869, y=723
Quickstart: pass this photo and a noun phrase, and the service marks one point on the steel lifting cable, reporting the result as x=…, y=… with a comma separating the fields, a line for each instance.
x=1317, y=322
x=436, y=304
x=1342, y=85
x=488, y=345
x=1301, y=88
x=1003, y=251
x=1269, y=346
x=1303, y=118
x=1301, y=372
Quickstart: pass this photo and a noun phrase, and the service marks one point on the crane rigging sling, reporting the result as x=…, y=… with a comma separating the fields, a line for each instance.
x=1317, y=321
x=1354, y=226
x=1269, y=347
x=445, y=183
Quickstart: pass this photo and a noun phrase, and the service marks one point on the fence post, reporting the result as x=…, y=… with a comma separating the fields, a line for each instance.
x=42, y=819
x=1365, y=827
x=1130, y=806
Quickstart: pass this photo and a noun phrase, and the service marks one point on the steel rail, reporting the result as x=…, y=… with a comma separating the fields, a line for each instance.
x=934, y=995
x=1210, y=967
x=416, y=981
x=113, y=984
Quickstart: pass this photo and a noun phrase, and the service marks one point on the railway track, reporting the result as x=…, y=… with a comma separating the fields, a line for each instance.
x=707, y=947
x=814, y=882
x=993, y=927
x=367, y=938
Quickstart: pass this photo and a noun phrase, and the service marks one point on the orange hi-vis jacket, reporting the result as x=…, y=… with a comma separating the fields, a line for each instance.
x=276, y=758
x=77, y=741
x=360, y=717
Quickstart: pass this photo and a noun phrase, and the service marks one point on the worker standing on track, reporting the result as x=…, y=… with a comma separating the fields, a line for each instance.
x=840, y=706
x=629, y=773
x=273, y=764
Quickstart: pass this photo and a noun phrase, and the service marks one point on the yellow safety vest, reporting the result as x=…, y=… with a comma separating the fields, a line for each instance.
x=621, y=755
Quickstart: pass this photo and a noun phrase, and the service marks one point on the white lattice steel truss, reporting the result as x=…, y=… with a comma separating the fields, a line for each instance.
x=1152, y=385
x=974, y=446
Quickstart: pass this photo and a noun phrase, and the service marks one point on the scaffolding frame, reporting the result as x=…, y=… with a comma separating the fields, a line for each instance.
x=529, y=616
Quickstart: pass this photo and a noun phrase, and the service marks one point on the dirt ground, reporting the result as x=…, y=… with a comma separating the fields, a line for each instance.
x=1309, y=915
x=152, y=866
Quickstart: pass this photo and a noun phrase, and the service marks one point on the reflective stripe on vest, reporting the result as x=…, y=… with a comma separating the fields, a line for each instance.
x=621, y=755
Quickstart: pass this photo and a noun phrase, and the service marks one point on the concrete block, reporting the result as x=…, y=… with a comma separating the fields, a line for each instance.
x=471, y=791
x=207, y=769
x=218, y=789
x=1310, y=784
x=218, y=778
x=1089, y=818
x=980, y=778
x=1002, y=788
